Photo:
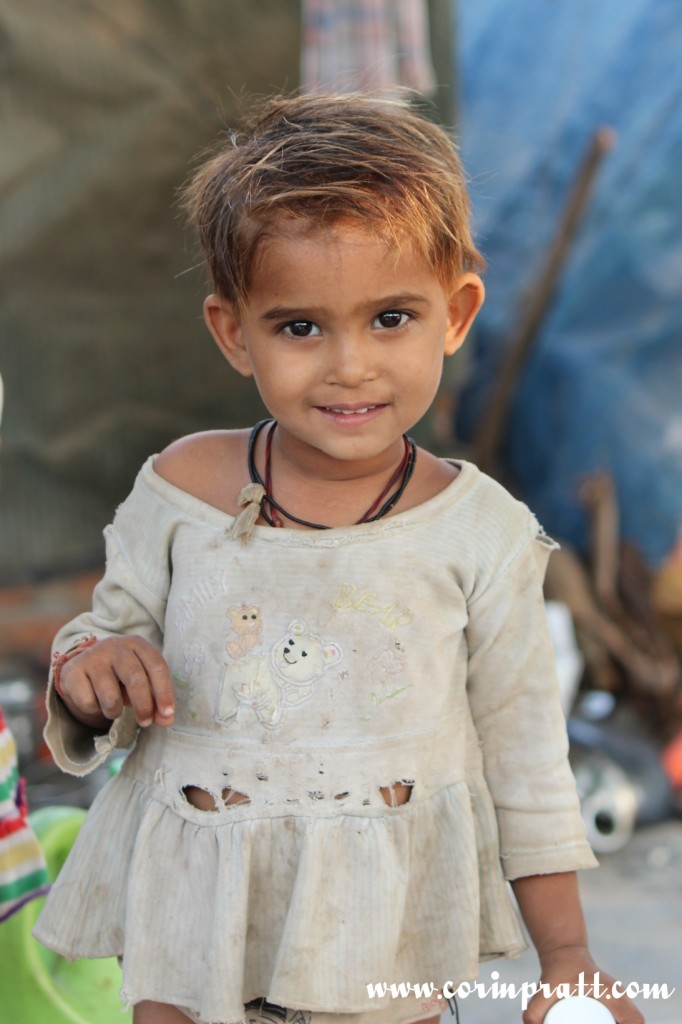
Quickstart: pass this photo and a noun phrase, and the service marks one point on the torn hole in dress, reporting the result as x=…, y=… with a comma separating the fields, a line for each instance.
x=545, y=540
x=205, y=800
x=398, y=793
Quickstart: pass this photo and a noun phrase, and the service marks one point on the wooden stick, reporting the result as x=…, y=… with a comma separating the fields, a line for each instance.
x=567, y=580
x=598, y=494
x=489, y=435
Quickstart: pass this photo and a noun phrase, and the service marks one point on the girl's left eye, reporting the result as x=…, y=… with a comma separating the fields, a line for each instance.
x=391, y=319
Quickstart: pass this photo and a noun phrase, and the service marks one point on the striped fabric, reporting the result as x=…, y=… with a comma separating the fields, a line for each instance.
x=365, y=44
x=23, y=873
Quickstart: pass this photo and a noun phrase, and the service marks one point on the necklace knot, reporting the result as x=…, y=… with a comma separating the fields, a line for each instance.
x=250, y=497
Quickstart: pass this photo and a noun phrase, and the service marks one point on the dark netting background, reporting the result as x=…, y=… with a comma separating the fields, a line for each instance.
x=103, y=107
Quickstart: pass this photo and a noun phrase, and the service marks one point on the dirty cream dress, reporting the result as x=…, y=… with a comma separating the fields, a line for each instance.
x=312, y=668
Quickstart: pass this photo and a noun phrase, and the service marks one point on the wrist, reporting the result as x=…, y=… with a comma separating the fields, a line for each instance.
x=550, y=956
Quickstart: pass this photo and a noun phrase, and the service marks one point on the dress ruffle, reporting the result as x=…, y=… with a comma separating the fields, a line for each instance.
x=305, y=911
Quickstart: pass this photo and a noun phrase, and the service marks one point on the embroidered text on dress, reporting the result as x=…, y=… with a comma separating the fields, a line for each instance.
x=391, y=615
x=201, y=594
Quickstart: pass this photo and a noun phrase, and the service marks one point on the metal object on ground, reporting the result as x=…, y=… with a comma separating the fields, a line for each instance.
x=608, y=800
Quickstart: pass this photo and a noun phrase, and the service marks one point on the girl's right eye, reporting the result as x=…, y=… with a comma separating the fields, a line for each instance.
x=301, y=329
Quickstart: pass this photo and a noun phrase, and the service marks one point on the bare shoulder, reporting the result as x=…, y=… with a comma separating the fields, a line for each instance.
x=438, y=473
x=211, y=465
x=443, y=471
x=432, y=475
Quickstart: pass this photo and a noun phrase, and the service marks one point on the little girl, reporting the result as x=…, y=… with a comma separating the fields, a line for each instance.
x=328, y=645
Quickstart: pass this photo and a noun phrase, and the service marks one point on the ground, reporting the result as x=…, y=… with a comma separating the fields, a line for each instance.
x=633, y=904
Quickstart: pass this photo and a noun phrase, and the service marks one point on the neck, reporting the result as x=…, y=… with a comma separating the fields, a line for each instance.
x=341, y=493
x=313, y=467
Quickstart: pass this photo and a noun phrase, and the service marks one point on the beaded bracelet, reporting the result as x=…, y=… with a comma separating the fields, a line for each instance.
x=59, y=660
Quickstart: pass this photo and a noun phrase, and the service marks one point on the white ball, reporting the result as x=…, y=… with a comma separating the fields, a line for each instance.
x=578, y=1010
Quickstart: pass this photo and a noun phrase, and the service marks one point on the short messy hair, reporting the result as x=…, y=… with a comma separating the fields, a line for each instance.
x=328, y=158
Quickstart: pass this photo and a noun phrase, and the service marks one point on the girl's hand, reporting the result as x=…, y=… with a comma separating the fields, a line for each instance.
x=566, y=967
x=122, y=670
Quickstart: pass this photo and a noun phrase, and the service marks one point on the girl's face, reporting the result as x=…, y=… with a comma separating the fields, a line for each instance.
x=344, y=339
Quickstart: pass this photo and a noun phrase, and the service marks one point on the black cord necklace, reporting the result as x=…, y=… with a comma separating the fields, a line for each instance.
x=270, y=508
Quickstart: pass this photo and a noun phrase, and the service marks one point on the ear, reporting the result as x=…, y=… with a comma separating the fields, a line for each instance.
x=332, y=654
x=466, y=298
x=224, y=323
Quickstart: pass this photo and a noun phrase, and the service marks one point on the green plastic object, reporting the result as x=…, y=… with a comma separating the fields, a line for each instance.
x=37, y=985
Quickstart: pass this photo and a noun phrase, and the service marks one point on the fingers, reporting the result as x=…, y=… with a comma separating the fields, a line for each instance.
x=79, y=695
x=120, y=671
x=129, y=671
x=624, y=1010
x=160, y=683
x=537, y=1008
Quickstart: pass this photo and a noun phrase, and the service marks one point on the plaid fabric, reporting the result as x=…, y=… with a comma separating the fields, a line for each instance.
x=23, y=873
x=365, y=44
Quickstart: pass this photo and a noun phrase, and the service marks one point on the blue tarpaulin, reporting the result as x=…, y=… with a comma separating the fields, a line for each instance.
x=602, y=389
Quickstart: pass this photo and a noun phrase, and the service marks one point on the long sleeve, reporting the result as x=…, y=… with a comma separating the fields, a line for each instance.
x=130, y=599
x=514, y=700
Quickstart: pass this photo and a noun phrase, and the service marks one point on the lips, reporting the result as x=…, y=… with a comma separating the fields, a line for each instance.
x=349, y=412
x=351, y=408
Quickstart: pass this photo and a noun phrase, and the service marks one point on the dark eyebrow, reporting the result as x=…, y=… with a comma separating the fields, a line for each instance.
x=286, y=313
x=312, y=313
x=392, y=301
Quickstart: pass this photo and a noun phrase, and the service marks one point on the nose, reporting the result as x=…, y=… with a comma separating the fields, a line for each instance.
x=351, y=360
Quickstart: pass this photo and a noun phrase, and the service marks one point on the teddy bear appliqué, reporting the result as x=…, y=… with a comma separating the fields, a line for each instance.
x=246, y=622
x=272, y=682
